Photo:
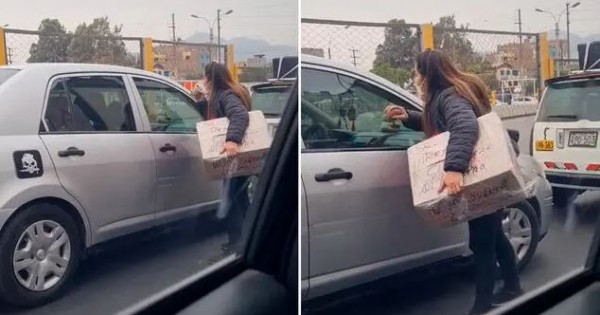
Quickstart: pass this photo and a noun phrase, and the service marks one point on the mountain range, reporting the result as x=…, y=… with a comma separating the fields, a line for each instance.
x=245, y=47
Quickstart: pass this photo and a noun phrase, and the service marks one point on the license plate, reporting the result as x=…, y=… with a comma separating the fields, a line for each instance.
x=544, y=145
x=587, y=139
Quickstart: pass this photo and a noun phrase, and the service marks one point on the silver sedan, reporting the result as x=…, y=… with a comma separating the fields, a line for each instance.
x=89, y=153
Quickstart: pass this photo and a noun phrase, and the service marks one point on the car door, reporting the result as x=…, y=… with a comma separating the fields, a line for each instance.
x=171, y=116
x=361, y=221
x=90, y=131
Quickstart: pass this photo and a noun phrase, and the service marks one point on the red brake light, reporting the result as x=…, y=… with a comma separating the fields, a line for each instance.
x=550, y=165
x=570, y=166
x=593, y=168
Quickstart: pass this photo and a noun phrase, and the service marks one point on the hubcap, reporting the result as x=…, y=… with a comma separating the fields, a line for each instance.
x=517, y=227
x=42, y=255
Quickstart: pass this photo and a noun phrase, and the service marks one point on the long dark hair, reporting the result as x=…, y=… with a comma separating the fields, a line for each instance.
x=220, y=79
x=438, y=73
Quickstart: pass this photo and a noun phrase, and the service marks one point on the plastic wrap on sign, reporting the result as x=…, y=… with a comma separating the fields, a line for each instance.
x=253, y=151
x=493, y=181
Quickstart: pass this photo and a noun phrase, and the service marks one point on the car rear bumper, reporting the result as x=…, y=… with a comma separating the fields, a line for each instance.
x=574, y=181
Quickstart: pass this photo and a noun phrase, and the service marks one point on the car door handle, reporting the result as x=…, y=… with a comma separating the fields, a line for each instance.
x=168, y=147
x=71, y=151
x=334, y=173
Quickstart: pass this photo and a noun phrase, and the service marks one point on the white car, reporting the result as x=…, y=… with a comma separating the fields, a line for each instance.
x=565, y=134
x=524, y=100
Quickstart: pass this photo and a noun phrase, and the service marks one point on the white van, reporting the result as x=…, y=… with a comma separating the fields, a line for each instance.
x=565, y=134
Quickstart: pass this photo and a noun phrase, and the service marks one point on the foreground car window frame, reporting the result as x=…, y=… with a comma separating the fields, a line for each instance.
x=262, y=230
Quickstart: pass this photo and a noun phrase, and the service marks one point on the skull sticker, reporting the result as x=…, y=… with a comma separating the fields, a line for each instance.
x=28, y=164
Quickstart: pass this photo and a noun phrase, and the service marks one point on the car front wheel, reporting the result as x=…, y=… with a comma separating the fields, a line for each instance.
x=521, y=226
x=39, y=253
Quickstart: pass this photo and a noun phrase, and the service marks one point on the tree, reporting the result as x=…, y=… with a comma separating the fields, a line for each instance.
x=400, y=46
x=98, y=43
x=399, y=76
x=452, y=40
x=52, y=43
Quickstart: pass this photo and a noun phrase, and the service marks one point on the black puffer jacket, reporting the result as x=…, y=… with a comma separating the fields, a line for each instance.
x=229, y=105
x=450, y=112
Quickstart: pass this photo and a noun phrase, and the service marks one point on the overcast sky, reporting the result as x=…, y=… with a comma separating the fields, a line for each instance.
x=272, y=20
x=483, y=14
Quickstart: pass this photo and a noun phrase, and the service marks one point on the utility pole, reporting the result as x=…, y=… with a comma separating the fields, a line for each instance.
x=174, y=59
x=173, y=26
x=354, y=57
x=9, y=55
x=219, y=35
x=520, y=23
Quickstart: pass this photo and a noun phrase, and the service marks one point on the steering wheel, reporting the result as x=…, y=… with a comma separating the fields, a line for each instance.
x=318, y=131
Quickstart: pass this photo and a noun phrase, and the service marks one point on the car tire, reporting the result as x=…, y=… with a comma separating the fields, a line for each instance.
x=58, y=255
x=527, y=220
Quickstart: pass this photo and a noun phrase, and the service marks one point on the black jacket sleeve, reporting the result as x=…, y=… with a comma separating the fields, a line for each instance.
x=202, y=107
x=414, y=121
x=238, y=117
x=462, y=124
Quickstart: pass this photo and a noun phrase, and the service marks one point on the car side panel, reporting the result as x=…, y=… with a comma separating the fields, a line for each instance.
x=304, y=233
x=15, y=192
x=369, y=218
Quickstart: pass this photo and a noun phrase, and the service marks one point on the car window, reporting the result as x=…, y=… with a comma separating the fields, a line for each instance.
x=572, y=100
x=270, y=99
x=168, y=109
x=346, y=113
x=89, y=104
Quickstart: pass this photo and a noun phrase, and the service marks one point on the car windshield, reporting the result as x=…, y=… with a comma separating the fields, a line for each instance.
x=270, y=99
x=6, y=74
x=571, y=100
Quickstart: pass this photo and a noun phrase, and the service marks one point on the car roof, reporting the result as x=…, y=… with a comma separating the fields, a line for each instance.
x=588, y=74
x=59, y=68
x=308, y=59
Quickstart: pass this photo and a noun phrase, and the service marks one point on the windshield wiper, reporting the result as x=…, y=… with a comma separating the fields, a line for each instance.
x=563, y=116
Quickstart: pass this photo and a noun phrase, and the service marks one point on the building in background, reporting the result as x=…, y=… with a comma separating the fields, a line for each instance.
x=182, y=61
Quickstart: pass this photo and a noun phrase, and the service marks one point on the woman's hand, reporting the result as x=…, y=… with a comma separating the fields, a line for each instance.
x=453, y=182
x=231, y=149
x=395, y=112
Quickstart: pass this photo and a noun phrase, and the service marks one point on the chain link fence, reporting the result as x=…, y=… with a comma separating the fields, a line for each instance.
x=185, y=61
x=508, y=62
x=359, y=43
x=565, y=66
x=32, y=46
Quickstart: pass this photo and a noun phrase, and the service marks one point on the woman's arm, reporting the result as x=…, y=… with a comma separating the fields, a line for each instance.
x=238, y=117
x=414, y=120
x=464, y=132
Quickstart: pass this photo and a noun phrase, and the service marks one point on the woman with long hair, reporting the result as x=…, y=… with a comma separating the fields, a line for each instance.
x=226, y=98
x=452, y=102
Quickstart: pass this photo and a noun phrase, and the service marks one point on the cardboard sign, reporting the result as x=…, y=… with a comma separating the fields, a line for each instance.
x=253, y=151
x=492, y=182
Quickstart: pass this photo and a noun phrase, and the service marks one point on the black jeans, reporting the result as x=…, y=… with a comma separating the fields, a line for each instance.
x=490, y=245
x=235, y=200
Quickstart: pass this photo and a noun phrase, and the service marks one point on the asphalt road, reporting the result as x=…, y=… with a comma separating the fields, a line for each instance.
x=451, y=291
x=131, y=269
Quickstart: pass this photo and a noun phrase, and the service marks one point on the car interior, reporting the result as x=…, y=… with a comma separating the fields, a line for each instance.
x=264, y=278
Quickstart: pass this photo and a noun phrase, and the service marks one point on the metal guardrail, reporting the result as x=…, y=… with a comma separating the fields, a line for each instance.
x=514, y=111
